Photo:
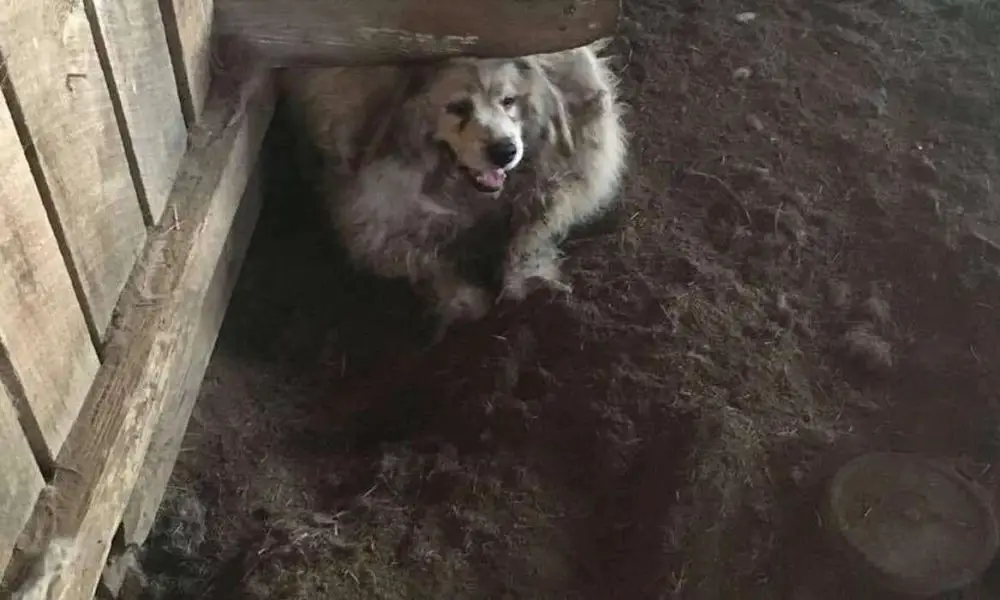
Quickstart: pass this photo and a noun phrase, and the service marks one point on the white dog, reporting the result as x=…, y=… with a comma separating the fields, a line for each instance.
x=417, y=154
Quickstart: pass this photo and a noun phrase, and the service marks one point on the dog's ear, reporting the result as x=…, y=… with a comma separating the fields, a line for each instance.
x=560, y=131
x=549, y=105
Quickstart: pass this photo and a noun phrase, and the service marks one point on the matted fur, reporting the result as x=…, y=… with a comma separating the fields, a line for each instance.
x=411, y=161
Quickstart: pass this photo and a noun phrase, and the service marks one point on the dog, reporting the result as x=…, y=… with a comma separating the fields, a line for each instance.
x=414, y=155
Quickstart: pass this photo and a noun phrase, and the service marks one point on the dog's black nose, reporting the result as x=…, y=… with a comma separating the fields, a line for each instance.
x=502, y=152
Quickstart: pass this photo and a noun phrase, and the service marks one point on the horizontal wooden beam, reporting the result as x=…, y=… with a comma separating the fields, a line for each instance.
x=165, y=445
x=368, y=32
x=153, y=346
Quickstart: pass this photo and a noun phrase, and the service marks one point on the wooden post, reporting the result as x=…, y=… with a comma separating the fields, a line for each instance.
x=366, y=32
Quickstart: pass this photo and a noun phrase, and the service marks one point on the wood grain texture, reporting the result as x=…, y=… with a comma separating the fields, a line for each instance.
x=150, y=350
x=189, y=32
x=47, y=359
x=165, y=444
x=61, y=94
x=20, y=479
x=354, y=32
x=134, y=44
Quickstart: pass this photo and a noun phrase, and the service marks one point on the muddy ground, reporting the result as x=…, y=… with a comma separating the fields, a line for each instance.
x=800, y=271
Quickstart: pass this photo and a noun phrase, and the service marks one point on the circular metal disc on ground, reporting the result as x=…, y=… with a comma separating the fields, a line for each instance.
x=914, y=523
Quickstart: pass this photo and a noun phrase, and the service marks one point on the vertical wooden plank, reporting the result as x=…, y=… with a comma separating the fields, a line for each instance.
x=20, y=479
x=189, y=32
x=57, y=92
x=47, y=359
x=131, y=38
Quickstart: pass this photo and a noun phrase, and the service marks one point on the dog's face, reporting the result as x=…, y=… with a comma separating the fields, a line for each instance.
x=485, y=112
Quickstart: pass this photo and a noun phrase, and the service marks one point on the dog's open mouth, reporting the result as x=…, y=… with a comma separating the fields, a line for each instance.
x=488, y=181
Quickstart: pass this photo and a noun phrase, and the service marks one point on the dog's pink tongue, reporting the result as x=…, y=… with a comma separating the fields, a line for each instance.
x=493, y=179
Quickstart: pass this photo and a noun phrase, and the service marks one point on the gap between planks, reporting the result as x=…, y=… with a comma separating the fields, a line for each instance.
x=150, y=349
x=188, y=24
x=132, y=48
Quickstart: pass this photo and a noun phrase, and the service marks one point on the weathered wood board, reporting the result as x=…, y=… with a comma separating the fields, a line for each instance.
x=47, y=358
x=189, y=31
x=152, y=346
x=356, y=32
x=165, y=445
x=131, y=32
x=20, y=479
x=59, y=89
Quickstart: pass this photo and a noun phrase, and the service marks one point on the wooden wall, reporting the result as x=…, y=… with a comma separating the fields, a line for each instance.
x=123, y=186
x=91, y=137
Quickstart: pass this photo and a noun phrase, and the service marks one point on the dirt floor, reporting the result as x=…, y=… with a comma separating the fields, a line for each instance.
x=801, y=271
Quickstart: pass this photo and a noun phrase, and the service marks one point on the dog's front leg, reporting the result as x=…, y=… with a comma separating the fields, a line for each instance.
x=455, y=298
x=533, y=255
x=413, y=255
x=533, y=259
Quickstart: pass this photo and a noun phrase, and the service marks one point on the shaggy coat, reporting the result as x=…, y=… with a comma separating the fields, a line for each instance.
x=415, y=155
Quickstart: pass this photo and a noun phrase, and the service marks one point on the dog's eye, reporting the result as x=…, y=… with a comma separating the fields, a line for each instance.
x=460, y=108
x=508, y=101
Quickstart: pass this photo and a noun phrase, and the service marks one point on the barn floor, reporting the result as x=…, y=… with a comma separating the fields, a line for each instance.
x=791, y=281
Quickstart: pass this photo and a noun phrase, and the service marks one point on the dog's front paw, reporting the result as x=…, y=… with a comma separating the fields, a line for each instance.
x=461, y=302
x=465, y=303
x=518, y=288
x=540, y=271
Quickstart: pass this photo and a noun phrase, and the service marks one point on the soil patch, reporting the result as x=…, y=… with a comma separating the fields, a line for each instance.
x=801, y=270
